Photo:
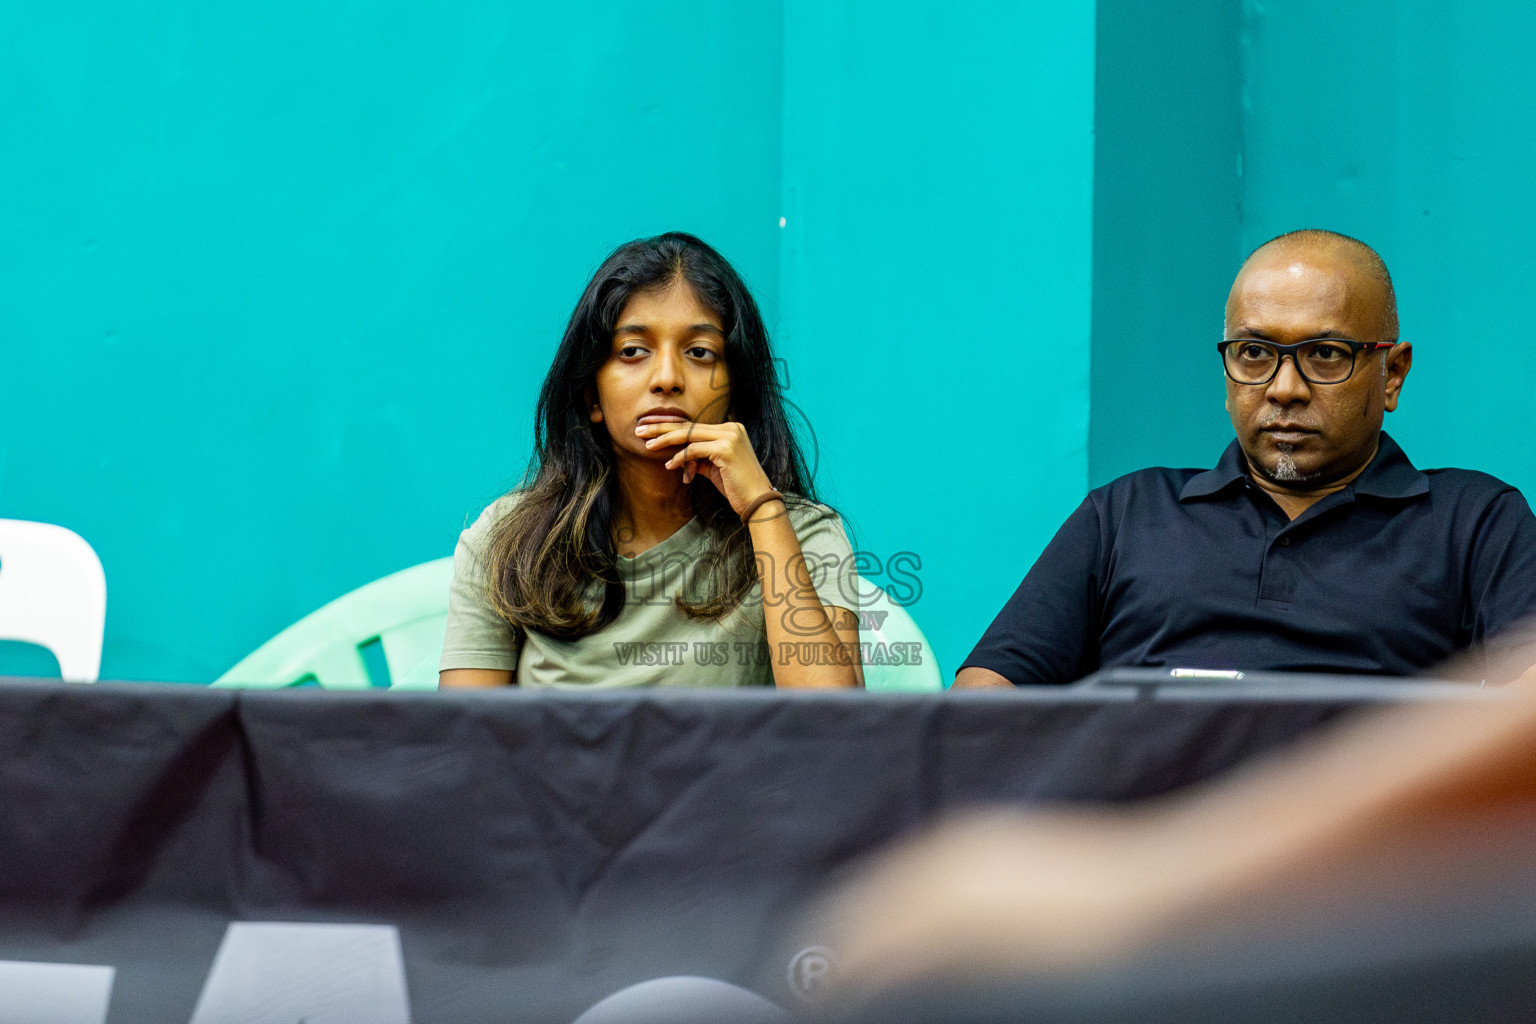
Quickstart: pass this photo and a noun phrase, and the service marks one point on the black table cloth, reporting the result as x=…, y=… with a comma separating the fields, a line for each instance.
x=536, y=852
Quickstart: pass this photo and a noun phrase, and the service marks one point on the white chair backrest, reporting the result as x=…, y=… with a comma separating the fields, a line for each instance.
x=53, y=594
x=897, y=656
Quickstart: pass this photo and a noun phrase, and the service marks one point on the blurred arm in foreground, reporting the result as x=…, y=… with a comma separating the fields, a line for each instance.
x=1051, y=892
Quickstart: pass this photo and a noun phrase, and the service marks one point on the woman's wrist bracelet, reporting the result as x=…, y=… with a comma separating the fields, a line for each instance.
x=758, y=502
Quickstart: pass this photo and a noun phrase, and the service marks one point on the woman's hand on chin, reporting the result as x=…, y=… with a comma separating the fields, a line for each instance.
x=720, y=452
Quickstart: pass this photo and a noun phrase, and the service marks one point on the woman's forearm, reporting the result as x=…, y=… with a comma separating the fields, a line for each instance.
x=473, y=678
x=807, y=647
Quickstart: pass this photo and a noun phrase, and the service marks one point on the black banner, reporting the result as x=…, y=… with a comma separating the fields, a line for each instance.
x=502, y=856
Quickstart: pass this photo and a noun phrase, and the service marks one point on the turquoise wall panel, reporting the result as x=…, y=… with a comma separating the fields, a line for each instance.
x=1411, y=125
x=935, y=282
x=1417, y=133
x=278, y=284
x=1167, y=204
x=279, y=281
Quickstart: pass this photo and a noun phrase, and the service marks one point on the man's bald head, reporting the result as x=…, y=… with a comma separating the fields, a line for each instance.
x=1331, y=250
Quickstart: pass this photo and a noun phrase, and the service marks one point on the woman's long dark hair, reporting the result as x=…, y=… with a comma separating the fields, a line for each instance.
x=547, y=554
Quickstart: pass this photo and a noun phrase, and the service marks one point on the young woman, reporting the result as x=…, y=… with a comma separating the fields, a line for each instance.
x=667, y=533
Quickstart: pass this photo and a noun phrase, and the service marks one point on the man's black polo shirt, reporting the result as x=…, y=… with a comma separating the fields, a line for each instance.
x=1178, y=567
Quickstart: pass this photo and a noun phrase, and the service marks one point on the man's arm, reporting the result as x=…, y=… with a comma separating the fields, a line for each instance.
x=1503, y=578
x=1048, y=632
x=974, y=677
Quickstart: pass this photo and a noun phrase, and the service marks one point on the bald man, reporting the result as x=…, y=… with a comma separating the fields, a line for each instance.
x=1314, y=545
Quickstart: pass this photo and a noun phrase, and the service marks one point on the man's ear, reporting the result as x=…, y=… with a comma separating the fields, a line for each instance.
x=1399, y=362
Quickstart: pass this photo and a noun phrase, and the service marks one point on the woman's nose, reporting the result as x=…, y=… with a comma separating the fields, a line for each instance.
x=667, y=372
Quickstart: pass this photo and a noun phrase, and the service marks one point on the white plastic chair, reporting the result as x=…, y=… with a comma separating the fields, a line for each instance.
x=406, y=612
x=53, y=593
x=896, y=625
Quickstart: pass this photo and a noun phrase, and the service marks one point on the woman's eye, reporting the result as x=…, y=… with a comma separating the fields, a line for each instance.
x=700, y=352
x=630, y=351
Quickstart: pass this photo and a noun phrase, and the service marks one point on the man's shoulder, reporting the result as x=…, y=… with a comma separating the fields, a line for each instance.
x=1153, y=484
x=1472, y=482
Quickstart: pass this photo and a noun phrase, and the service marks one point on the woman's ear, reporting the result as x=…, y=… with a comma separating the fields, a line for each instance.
x=594, y=411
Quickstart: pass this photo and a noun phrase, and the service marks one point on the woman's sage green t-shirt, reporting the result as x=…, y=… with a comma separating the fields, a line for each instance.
x=652, y=642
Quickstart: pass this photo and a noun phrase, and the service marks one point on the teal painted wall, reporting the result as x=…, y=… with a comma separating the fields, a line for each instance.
x=1421, y=141
x=1409, y=124
x=935, y=279
x=278, y=282
x=1166, y=223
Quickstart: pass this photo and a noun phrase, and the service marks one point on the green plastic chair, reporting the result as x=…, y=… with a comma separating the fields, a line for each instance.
x=405, y=612
x=896, y=626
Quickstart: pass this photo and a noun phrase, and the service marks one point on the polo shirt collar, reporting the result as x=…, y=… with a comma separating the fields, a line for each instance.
x=1231, y=470
x=1390, y=474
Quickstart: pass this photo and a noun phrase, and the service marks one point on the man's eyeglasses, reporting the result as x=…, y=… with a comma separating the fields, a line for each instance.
x=1319, y=361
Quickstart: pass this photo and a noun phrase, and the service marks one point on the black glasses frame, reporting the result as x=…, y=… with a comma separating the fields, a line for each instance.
x=1294, y=351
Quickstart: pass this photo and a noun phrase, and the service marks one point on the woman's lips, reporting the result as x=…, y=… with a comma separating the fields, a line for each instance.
x=662, y=417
